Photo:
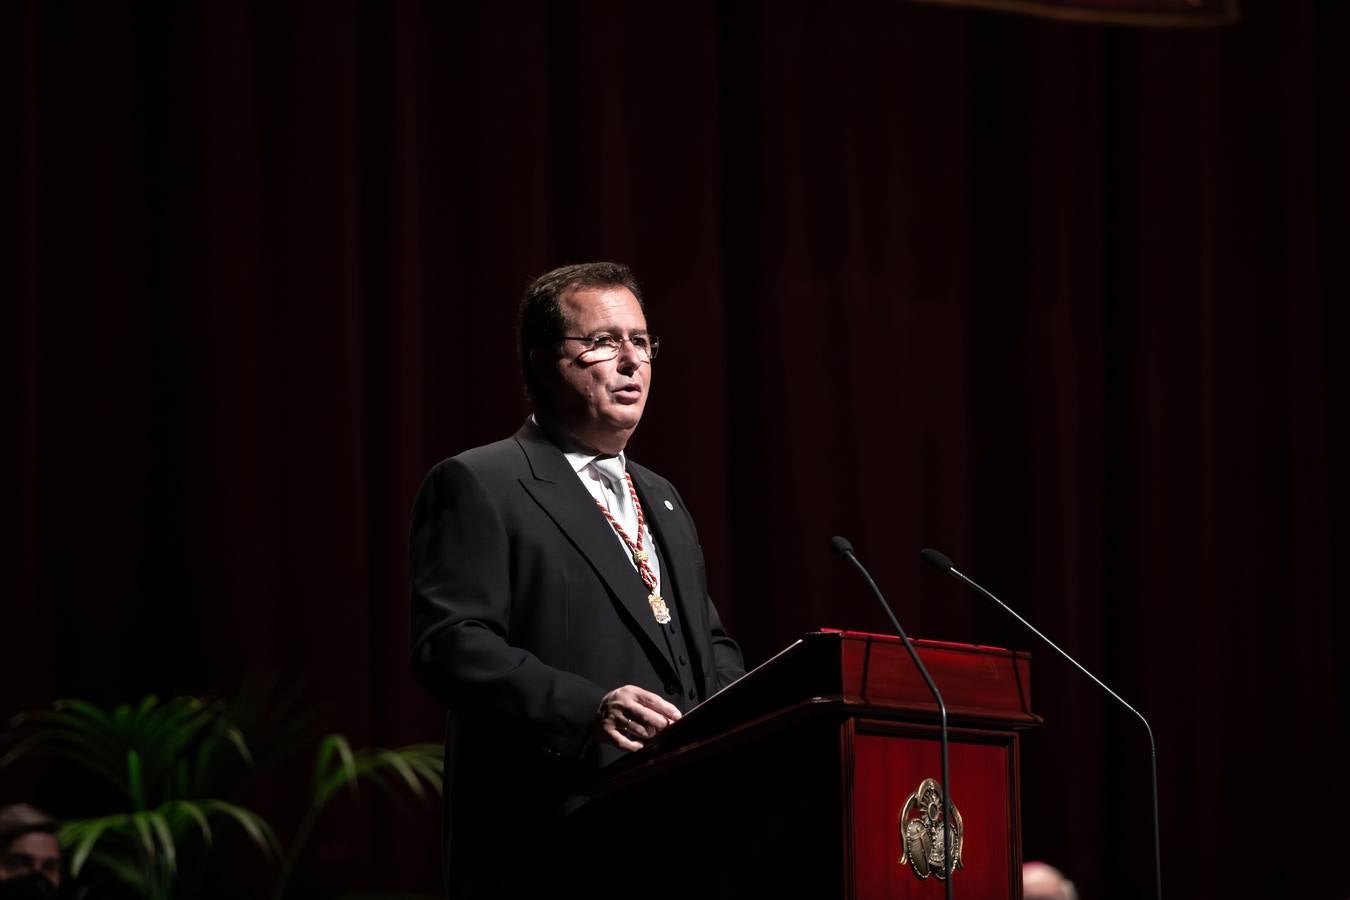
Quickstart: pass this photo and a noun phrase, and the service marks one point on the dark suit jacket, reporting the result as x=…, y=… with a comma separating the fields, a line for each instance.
x=525, y=613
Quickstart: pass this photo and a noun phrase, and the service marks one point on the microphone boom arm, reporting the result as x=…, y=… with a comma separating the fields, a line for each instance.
x=942, y=562
x=845, y=550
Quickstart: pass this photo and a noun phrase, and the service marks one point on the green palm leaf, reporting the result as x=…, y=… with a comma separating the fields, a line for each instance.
x=160, y=825
x=135, y=788
x=334, y=768
x=81, y=710
x=122, y=871
x=254, y=825
x=395, y=761
x=150, y=834
x=414, y=766
x=87, y=754
x=236, y=740
x=143, y=832
x=274, y=716
x=81, y=838
x=191, y=811
x=428, y=761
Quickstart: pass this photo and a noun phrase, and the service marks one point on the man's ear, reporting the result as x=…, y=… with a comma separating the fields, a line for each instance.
x=540, y=363
x=544, y=375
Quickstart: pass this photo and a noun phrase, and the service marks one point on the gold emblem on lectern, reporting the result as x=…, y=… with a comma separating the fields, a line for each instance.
x=921, y=832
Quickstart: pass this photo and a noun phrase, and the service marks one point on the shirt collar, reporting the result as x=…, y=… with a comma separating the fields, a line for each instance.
x=578, y=457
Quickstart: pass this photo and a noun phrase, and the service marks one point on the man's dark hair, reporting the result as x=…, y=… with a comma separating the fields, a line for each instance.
x=19, y=819
x=540, y=321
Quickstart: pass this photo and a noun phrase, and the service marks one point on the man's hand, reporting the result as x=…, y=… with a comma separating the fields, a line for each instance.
x=629, y=715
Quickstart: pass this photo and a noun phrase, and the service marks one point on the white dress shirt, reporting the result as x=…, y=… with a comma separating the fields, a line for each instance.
x=603, y=491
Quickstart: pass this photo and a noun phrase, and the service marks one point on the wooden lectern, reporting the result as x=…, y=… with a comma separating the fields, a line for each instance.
x=796, y=780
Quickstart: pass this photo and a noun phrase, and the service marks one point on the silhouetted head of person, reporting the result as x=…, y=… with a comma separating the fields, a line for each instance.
x=1042, y=881
x=30, y=855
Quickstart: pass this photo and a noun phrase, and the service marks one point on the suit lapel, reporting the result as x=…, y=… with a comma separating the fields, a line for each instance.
x=556, y=488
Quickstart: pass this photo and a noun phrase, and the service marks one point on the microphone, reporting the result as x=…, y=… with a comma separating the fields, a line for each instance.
x=842, y=547
x=939, y=561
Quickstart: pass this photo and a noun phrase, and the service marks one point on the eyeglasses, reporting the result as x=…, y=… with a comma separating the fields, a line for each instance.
x=600, y=347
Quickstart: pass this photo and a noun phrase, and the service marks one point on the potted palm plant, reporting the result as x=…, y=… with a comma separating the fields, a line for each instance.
x=177, y=768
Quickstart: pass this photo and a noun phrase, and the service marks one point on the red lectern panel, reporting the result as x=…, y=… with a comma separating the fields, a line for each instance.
x=889, y=762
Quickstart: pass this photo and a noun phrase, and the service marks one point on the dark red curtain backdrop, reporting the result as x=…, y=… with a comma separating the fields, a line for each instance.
x=1066, y=302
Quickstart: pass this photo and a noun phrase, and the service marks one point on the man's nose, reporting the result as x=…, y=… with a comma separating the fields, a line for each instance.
x=629, y=359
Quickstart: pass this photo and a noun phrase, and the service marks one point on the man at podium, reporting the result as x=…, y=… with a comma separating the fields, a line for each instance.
x=559, y=605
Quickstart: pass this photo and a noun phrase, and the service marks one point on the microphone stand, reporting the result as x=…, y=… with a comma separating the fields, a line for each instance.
x=942, y=562
x=845, y=550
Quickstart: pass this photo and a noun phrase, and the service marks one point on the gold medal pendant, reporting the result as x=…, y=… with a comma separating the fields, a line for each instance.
x=659, y=608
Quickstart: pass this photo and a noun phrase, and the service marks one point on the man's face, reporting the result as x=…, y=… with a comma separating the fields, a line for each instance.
x=33, y=852
x=600, y=402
